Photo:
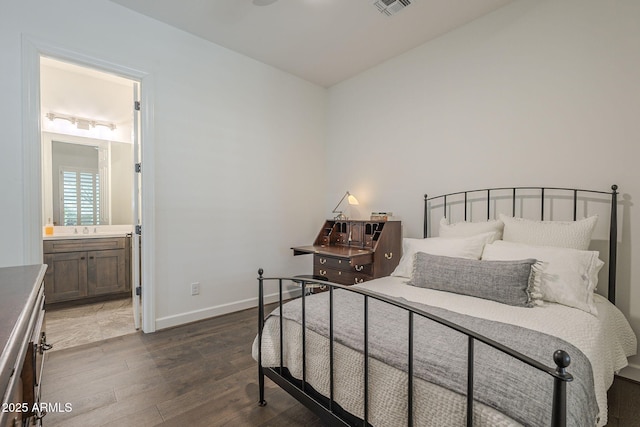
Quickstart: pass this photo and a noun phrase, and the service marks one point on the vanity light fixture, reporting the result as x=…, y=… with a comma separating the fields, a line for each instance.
x=352, y=201
x=80, y=122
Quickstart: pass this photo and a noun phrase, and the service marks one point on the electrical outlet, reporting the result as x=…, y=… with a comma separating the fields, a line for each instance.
x=195, y=288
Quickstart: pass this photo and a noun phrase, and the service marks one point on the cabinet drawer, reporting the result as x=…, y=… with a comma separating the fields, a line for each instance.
x=341, y=238
x=362, y=270
x=360, y=264
x=74, y=245
x=326, y=262
x=342, y=277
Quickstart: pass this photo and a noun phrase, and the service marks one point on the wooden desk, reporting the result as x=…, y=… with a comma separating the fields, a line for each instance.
x=353, y=251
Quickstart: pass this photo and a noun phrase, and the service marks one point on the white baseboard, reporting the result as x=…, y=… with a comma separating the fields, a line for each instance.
x=219, y=310
x=631, y=372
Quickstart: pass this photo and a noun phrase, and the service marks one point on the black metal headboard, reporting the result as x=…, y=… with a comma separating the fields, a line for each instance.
x=514, y=193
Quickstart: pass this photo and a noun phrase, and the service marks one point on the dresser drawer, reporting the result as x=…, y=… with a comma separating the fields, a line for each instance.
x=360, y=263
x=342, y=277
x=362, y=269
x=326, y=262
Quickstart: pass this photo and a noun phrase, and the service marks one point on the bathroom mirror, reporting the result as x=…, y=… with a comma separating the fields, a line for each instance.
x=86, y=181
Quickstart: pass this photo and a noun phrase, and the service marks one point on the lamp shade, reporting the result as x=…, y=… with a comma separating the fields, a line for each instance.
x=352, y=199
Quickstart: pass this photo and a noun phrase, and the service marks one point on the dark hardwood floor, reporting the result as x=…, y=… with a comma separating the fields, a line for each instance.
x=201, y=374
x=624, y=403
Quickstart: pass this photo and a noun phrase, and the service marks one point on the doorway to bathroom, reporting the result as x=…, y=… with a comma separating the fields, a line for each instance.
x=91, y=185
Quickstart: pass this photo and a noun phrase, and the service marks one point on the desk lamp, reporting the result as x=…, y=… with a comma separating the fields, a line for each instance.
x=352, y=201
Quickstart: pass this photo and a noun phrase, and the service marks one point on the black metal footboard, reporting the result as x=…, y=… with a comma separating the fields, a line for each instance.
x=326, y=407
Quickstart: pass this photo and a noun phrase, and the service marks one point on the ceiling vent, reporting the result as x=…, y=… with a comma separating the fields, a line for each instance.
x=391, y=7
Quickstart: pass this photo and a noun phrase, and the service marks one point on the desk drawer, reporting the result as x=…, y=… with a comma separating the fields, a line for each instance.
x=325, y=262
x=342, y=277
x=360, y=264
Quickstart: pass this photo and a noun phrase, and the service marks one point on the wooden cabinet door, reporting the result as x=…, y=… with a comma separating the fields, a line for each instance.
x=66, y=276
x=356, y=234
x=106, y=272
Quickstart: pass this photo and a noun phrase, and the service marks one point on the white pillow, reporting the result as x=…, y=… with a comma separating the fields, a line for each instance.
x=568, y=276
x=466, y=229
x=460, y=247
x=563, y=234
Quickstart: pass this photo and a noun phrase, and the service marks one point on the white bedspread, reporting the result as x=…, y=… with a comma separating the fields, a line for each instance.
x=607, y=340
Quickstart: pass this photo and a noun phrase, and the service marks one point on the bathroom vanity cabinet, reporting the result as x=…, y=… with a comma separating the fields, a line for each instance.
x=87, y=267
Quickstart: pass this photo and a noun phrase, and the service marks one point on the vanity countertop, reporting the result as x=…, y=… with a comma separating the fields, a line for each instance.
x=84, y=236
x=88, y=232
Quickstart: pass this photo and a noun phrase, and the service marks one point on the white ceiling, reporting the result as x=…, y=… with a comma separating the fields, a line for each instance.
x=68, y=89
x=75, y=90
x=322, y=41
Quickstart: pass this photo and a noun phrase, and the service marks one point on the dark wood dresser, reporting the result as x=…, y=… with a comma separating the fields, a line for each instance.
x=23, y=342
x=349, y=252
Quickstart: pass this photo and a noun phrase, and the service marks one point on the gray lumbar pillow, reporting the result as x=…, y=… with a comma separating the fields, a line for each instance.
x=508, y=282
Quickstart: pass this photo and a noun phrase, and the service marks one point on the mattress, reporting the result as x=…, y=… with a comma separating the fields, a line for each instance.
x=607, y=340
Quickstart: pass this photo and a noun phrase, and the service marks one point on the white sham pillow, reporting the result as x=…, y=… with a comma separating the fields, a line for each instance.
x=563, y=234
x=460, y=247
x=568, y=276
x=466, y=229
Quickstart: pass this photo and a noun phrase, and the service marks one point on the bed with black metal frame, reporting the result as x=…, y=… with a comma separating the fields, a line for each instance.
x=326, y=407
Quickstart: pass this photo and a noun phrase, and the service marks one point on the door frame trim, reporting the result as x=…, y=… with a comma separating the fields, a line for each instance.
x=32, y=49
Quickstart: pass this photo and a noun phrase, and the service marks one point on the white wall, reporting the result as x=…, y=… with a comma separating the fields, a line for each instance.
x=536, y=93
x=238, y=152
x=541, y=93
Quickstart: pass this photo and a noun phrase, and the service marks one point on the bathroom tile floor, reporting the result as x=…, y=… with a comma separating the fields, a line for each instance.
x=83, y=324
